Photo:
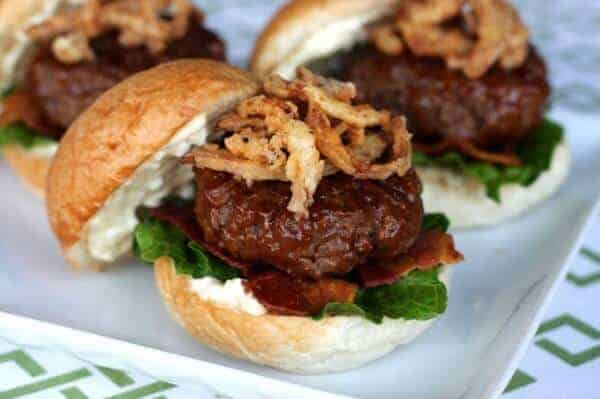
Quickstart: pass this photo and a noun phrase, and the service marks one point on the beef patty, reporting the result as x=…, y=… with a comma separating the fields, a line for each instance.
x=497, y=109
x=63, y=91
x=351, y=221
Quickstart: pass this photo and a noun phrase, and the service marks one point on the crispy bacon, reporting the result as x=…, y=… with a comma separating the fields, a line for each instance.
x=283, y=294
x=375, y=275
x=468, y=148
x=433, y=149
x=431, y=249
x=20, y=106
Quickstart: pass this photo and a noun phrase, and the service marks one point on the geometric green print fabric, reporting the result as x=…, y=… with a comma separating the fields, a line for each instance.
x=36, y=374
x=39, y=374
x=563, y=361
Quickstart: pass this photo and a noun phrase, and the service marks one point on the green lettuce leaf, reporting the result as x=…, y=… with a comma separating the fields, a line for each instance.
x=18, y=133
x=155, y=239
x=536, y=152
x=206, y=265
x=7, y=92
x=418, y=296
x=435, y=221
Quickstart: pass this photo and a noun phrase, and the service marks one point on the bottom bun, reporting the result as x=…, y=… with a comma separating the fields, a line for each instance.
x=295, y=344
x=30, y=166
x=464, y=200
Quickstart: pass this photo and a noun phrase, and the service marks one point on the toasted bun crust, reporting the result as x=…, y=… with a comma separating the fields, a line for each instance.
x=300, y=19
x=31, y=167
x=464, y=201
x=15, y=17
x=295, y=344
x=125, y=127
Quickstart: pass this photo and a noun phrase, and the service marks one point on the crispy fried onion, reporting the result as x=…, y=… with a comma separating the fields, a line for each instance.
x=153, y=23
x=491, y=31
x=302, y=130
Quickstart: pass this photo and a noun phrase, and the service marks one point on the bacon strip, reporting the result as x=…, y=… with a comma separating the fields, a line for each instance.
x=502, y=159
x=20, y=106
x=374, y=276
x=433, y=149
x=432, y=248
x=285, y=295
x=468, y=148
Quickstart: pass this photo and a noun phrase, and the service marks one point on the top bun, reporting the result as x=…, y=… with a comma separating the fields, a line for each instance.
x=124, y=152
x=15, y=17
x=304, y=30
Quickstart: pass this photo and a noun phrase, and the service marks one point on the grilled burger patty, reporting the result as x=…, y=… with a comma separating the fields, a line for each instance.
x=63, y=91
x=351, y=221
x=499, y=108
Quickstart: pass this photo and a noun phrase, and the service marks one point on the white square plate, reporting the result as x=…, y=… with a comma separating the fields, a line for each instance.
x=497, y=299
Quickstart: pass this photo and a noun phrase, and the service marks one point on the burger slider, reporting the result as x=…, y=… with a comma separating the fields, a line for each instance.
x=473, y=88
x=57, y=57
x=284, y=221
